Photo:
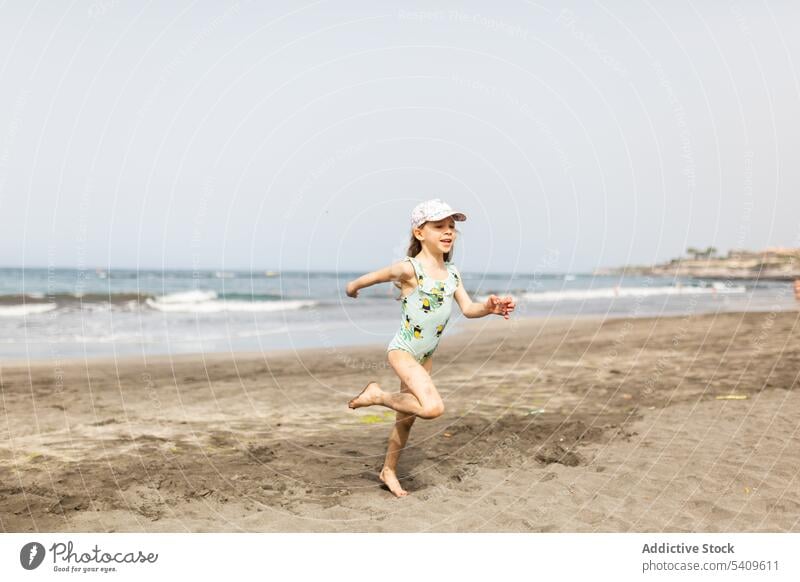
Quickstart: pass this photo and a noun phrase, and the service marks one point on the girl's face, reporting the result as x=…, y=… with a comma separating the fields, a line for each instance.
x=439, y=235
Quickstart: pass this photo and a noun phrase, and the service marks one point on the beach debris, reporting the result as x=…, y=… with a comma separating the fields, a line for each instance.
x=536, y=411
x=559, y=454
x=627, y=396
x=447, y=435
x=261, y=453
x=626, y=435
x=747, y=490
x=732, y=397
x=66, y=503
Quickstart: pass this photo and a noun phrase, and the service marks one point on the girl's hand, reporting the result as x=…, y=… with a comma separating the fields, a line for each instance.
x=352, y=291
x=498, y=306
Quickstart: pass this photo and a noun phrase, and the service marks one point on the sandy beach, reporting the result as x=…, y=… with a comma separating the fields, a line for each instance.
x=652, y=424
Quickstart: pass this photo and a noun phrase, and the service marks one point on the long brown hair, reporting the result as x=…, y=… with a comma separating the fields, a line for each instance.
x=414, y=248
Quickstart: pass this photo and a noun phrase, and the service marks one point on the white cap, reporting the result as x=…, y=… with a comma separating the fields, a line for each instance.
x=432, y=210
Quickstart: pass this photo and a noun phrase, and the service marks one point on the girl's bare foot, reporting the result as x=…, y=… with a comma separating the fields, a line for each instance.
x=369, y=396
x=388, y=476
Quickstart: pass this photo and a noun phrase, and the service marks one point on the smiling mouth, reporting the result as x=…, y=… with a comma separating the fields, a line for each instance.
x=447, y=241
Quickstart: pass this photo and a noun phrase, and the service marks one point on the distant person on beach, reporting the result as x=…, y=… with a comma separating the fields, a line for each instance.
x=428, y=281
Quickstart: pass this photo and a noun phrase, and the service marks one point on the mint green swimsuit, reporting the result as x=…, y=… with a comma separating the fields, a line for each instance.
x=425, y=312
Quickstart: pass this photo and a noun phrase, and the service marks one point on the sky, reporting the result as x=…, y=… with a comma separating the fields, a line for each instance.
x=293, y=135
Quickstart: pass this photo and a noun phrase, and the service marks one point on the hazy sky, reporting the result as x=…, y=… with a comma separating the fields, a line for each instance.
x=299, y=135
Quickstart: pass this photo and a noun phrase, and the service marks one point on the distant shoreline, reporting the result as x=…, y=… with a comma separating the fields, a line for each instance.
x=772, y=264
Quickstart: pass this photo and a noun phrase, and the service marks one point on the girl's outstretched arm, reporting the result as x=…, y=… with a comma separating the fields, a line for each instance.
x=399, y=271
x=493, y=305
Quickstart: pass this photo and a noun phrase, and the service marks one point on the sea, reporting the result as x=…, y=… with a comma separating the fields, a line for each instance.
x=78, y=313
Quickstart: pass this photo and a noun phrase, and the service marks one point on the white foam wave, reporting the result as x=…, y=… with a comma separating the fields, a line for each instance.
x=194, y=296
x=221, y=305
x=23, y=310
x=615, y=292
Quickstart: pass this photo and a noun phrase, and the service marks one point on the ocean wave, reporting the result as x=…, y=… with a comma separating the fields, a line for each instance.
x=198, y=295
x=192, y=301
x=23, y=310
x=616, y=292
x=194, y=296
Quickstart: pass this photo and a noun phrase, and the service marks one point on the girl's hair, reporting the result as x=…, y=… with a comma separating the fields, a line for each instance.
x=414, y=248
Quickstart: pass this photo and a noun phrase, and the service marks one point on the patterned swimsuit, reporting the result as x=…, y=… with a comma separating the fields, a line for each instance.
x=425, y=312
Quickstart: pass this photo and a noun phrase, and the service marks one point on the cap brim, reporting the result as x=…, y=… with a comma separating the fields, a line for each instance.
x=456, y=216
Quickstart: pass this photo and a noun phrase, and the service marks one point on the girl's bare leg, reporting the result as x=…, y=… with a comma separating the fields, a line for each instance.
x=423, y=400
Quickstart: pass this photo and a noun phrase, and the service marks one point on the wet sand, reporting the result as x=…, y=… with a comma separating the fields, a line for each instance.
x=653, y=424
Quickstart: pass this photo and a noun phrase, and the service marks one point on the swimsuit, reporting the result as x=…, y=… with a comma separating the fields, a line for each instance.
x=425, y=312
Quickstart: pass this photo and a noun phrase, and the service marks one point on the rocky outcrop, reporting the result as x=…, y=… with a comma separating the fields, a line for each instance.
x=777, y=264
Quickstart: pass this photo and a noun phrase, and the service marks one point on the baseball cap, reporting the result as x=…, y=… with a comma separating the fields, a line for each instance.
x=432, y=210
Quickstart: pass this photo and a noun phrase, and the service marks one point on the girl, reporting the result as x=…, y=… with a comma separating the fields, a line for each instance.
x=428, y=281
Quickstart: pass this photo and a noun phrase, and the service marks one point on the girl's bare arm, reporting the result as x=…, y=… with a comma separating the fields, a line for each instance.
x=494, y=304
x=398, y=271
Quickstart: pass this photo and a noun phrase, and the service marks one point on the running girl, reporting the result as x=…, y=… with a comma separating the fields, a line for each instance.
x=428, y=281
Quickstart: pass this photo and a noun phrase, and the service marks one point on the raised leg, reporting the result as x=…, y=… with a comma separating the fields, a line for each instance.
x=422, y=398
